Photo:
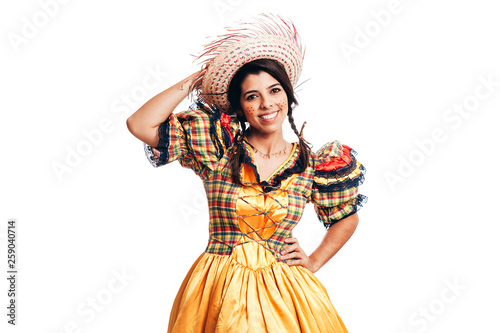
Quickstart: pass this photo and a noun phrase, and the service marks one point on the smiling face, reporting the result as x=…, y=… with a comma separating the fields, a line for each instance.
x=264, y=103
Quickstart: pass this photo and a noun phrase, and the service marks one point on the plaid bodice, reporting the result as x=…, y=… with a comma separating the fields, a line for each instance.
x=262, y=211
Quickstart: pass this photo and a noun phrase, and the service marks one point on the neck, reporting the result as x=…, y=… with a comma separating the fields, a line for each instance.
x=266, y=143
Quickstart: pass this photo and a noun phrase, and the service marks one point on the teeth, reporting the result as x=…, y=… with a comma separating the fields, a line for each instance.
x=270, y=116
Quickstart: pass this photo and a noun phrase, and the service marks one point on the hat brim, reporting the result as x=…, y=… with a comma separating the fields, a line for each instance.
x=271, y=38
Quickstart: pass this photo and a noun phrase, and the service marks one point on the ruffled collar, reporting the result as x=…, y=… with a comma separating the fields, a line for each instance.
x=290, y=166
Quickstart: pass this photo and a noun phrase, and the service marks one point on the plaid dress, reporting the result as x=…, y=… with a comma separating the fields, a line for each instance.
x=239, y=283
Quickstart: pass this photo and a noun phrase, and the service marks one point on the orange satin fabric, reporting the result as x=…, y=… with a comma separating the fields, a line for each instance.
x=249, y=291
x=252, y=205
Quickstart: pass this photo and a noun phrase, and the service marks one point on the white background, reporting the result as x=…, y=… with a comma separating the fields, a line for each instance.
x=113, y=213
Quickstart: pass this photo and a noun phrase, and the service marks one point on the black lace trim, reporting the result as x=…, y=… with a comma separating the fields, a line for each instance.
x=248, y=160
x=295, y=167
x=342, y=172
x=354, y=182
x=214, y=116
x=360, y=201
x=162, y=146
x=275, y=182
x=149, y=155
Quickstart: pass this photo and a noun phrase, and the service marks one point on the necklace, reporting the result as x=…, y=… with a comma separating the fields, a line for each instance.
x=283, y=151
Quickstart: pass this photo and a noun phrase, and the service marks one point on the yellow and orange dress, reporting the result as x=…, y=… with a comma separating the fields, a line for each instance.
x=239, y=283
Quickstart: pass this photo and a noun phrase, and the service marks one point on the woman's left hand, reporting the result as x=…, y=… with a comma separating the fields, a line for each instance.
x=295, y=251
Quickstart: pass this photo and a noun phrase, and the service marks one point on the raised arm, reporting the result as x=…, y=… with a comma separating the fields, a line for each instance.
x=144, y=123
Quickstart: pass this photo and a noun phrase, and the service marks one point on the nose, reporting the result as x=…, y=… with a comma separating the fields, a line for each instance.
x=266, y=101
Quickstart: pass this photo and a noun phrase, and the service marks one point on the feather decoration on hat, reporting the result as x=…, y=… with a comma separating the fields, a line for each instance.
x=262, y=27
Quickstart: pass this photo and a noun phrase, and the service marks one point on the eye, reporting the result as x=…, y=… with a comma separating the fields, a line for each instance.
x=275, y=90
x=250, y=97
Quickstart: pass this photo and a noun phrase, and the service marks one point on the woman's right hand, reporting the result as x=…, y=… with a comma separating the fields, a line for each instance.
x=144, y=123
x=188, y=82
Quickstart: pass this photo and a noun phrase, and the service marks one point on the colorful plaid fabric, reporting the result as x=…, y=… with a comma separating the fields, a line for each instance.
x=195, y=138
x=200, y=139
x=335, y=188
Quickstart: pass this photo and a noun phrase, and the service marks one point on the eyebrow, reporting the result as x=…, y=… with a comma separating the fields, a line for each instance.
x=271, y=86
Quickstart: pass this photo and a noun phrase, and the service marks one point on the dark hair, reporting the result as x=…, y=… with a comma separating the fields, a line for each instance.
x=234, y=94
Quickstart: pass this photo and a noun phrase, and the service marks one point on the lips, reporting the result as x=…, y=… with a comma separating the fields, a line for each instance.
x=269, y=116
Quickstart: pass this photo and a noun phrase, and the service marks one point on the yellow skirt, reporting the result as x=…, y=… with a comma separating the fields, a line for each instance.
x=249, y=291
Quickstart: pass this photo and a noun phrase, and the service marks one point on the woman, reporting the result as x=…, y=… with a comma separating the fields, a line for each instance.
x=253, y=275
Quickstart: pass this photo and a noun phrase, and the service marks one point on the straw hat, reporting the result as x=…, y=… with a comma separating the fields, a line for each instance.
x=267, y=37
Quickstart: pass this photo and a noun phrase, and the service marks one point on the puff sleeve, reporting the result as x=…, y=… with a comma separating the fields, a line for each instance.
x=197, y=138
x=337, y=175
